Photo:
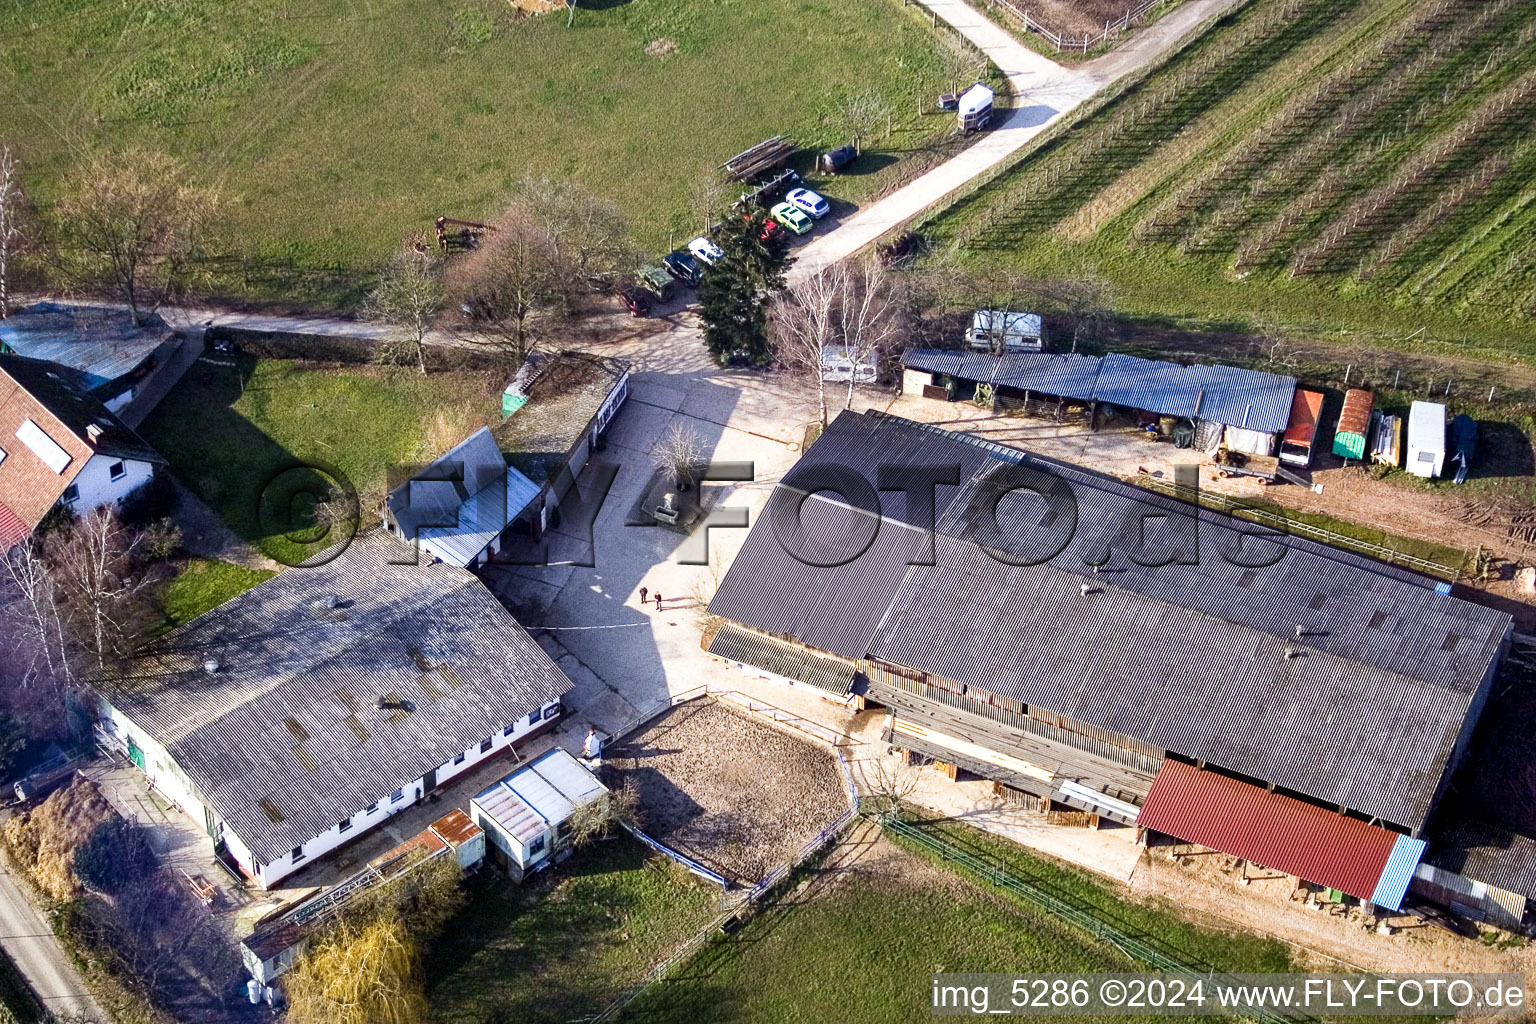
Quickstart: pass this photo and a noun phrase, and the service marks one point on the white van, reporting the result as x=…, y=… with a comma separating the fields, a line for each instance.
x=1426, y=439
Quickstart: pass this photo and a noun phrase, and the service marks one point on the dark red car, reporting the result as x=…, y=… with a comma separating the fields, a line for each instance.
x=636, y=302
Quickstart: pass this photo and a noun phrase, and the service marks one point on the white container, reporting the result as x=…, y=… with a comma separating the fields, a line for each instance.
x=1426, y=439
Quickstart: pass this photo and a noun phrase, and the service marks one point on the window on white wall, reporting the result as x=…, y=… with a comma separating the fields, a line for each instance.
x=342, y=826
x=509, y=729
x=117, y=470
x=397, y=795
x=459, y=759
x=298, y=854
x=485, y=744
x=71, y=494
x=536, y=845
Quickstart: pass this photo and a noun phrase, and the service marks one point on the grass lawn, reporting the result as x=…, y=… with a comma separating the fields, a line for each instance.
x=339, y=128
x=247, y=439
x=566, y=943
x=864, y=947
x=203, y=585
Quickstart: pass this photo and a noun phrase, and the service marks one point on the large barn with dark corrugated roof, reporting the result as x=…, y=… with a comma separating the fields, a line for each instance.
x=1111, y=649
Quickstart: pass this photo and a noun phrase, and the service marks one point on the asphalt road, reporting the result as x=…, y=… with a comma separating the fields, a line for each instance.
x=32, y=945
x=1044, y=93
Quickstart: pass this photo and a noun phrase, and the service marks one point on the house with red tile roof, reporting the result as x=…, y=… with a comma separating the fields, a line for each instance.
x=60, y=445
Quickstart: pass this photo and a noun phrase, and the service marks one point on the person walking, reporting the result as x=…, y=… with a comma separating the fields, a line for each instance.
x=658, y=600
x=642, y=594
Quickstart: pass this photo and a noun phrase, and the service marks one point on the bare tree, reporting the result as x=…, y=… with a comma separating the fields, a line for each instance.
x=803, y=322
x=708, y=199
x=960, y=61
x=36, y=619
x=859, y=114
x=870, y=321
x=598, y=817
x=359, y=973
x=890, y=781
x=103, y=590
x=136, y=222
x=679, y=450
x=1082, y=303
x=407, y=300
x=853, y=309
x=588, y=234
x=14, y=222
x=505, y=296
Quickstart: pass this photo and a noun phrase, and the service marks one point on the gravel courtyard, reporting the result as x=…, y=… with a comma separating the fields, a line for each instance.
x=735, y=794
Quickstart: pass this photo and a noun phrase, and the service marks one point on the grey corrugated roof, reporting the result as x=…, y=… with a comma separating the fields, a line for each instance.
x=1225, y=394
x=750, y=648
x=292, y=718
x=1191, y=658
x=1485, y=853
x=100, y=343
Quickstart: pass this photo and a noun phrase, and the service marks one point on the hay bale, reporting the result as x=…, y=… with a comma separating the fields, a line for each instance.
x=44, y=839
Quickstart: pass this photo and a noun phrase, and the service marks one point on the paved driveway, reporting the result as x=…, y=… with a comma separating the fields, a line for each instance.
x=1044, y=92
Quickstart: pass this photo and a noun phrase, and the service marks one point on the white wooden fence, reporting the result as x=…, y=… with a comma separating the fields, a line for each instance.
x=1112, y=27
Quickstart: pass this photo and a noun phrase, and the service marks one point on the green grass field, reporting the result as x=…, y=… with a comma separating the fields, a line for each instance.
x=1356, y=165
x=563, y=945
x=203, y=585
x=339, y=127
x=241, y=437
x=864, y=947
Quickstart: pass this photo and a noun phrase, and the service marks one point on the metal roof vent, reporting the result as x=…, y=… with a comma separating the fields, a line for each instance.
x=211, y=666
x=1089, y=588
x=1301, y=631
x=93, y=431
x=1291, y=653
x=386, y=704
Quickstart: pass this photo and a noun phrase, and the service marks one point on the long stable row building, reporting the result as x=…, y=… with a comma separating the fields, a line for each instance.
x=1089, y=642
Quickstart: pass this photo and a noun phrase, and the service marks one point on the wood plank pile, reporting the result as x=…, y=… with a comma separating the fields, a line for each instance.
x=750, y=163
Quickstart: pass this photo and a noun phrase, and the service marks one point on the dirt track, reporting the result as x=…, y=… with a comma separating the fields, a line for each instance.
x=738, y=796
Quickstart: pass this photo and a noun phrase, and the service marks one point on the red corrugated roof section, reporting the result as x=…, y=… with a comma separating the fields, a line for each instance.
x=1355, y=417
x=1306, y=410
x=1268, y=829
x=12, y=529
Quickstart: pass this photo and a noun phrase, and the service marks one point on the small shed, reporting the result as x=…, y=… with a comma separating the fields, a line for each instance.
x=1426, y=439
x=975, y=108
x=525, y=815
x=1354, y=428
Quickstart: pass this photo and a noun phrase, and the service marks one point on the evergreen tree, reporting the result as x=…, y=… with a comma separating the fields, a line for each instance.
x=733, y=297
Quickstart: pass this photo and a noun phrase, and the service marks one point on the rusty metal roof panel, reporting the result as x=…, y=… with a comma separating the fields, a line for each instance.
x=1276, y=831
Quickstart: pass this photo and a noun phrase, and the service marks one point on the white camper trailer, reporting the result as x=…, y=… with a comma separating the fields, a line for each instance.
x=1426, y=439
x=997, y=330
x=975, y=108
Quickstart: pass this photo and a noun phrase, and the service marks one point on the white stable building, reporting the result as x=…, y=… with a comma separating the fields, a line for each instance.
x=294, y=718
